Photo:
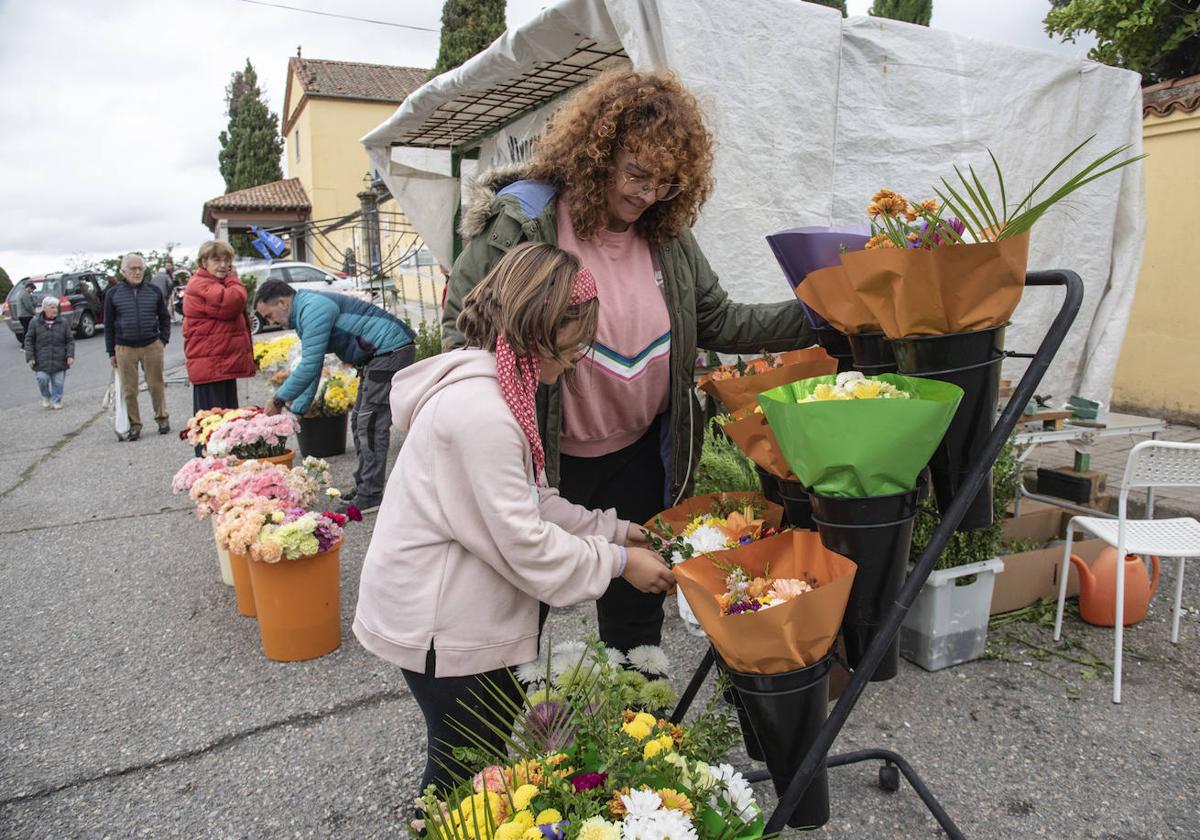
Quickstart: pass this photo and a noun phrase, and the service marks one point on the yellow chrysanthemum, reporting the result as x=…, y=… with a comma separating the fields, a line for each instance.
x=522, y=818
x=637, y=730
x=532, y=834
x=656, y=746
x=547, y=817
x=866, y=389
x=523, y=795
x=598, y=828
x=509, y=831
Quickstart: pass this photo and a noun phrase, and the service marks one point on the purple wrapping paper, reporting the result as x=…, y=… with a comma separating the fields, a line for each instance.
x=805, y=249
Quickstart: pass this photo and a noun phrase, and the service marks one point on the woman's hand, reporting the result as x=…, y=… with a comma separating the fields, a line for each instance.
x=646, y=571
x=636, y=535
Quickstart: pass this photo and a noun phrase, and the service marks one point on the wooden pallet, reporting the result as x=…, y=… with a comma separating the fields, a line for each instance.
x=1051, y=420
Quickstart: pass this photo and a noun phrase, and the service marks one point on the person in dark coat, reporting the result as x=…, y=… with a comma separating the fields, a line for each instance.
x=23, y=307
x=50, y=351
x=136, y=329
x=216, y=329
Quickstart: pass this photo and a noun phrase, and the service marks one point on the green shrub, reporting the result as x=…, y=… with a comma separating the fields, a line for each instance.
x=429, y=339
x=723, y=467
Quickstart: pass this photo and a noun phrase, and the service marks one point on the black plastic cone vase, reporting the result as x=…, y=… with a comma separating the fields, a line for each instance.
x=753, y=749
x=872, y=353
x=876, y=533
x=786, y=712
x=972, y=362
x=322, y=437
x=837, y=345
x=769, y=484
x=797, y=507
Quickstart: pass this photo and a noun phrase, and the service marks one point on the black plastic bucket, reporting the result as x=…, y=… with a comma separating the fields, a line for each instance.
x=972, y=362
x=876, y=533
x=872, y=353
x=770, y=485
x=786, y=712
x=797, y=507
x=322, y=437
x=837, y=345
x=753, y=748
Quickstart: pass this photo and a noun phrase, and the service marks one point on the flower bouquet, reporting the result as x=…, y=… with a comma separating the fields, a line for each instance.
x=772, y=610
x=323, y=427
x=203, y=423
x=736, y=385
x=219, y=487
x=641, y=675
x=254, y=435
x=274, y=357
x=600, y=770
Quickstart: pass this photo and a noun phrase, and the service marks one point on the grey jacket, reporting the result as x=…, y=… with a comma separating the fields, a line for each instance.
x=23, y=304
x=164, y=282
x=48, y=344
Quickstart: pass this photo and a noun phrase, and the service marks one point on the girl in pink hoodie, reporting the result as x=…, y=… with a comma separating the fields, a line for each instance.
x=469, y=539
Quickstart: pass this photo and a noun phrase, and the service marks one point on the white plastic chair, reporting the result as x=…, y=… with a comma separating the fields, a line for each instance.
x=1152, y=463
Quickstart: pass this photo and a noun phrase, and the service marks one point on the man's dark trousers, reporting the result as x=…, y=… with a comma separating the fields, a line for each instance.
x=371, y=422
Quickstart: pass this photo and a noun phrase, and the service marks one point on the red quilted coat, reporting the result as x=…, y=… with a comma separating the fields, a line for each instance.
x=216, y=330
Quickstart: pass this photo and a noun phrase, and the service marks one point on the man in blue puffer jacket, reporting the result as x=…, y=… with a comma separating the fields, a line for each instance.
x=360, y=334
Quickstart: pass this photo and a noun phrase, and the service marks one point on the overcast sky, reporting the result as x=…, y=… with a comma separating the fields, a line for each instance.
x=110, y=110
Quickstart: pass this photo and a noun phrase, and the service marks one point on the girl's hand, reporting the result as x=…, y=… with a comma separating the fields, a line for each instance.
x=646, y=571
x=636, y=535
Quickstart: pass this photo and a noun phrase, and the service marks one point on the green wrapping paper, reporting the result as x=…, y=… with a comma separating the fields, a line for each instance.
x=858, y=448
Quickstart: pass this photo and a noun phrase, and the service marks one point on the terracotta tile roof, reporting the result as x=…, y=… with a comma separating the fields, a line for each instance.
x=1181, y=95
x=353, y=80
x=287, y=195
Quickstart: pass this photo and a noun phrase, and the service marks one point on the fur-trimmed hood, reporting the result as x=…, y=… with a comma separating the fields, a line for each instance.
x=482, y=192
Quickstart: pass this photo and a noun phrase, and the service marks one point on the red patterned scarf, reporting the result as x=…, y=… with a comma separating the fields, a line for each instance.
x=518, y=375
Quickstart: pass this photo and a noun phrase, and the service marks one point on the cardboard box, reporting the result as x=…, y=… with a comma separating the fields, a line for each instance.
x=1030, y=575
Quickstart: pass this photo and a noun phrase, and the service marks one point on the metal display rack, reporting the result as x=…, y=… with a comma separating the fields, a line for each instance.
x=894, y=764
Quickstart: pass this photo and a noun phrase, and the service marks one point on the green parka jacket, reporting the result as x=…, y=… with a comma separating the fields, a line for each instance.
x=700, y=311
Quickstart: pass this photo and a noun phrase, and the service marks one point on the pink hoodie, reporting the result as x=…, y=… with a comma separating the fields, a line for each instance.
x=465, y=545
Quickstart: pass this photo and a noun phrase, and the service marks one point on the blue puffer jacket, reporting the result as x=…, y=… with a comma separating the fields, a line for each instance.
x=134, y=316
x=353, y=329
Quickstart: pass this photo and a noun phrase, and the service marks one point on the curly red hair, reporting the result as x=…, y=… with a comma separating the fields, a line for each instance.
x=649, y=114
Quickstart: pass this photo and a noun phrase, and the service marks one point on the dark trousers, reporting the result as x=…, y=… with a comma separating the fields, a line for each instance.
x=371, y=422
x=441, y=701
x=25, y=319
x=630, y=480
x=222, y=394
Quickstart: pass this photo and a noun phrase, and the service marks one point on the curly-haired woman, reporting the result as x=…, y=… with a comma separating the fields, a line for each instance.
x=617, y=178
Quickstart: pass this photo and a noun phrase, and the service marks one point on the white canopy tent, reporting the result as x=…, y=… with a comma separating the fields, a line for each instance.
x=812, y=114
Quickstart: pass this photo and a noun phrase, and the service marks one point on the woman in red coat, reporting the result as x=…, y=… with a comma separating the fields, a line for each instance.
x=216, y=329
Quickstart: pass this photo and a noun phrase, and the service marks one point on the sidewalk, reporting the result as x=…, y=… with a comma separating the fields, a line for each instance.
x=136, y=702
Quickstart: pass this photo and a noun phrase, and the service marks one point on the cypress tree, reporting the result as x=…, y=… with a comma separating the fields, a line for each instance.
x=468, y=27
x=251, y=146
x=911, y=11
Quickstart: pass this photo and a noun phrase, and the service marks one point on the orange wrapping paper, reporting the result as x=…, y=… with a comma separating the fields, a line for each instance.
x=740, y=391
x=950, y=289
x=679, y=516
x=784, y=638
x=830, y=294
x=754, y=436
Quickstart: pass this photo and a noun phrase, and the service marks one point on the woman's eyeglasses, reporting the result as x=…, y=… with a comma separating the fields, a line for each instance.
x=640, y=185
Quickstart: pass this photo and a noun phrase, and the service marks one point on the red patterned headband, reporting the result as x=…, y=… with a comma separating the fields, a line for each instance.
x=583, y=287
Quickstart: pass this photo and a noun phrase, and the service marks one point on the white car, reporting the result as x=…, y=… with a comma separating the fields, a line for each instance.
x=301, y=276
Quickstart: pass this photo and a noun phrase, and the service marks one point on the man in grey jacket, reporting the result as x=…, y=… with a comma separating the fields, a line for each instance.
x=23, y=307
x=164, y=281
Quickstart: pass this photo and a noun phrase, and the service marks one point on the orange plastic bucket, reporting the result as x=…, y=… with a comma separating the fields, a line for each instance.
x=298, y=603
x=285, y=460
x=242, y=586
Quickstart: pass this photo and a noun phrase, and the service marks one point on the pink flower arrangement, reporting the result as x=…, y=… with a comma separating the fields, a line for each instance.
x=192, y=470
x=242, y=520
x=218, y=488
x=256, y=436
x=203, y=423
x=297, y=533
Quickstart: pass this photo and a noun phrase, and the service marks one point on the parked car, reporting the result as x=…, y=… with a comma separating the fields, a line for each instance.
x=301, y=276
x=80, y=295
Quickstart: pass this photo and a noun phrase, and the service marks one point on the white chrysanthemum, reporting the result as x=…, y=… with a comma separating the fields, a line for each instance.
x=649, y=659
x=848, y=377
x=566, y=655
x=532, y=672
x=660, y=825
x=707, y=538
x=640, y=803
x=598, y=828
x=611, y=656
x=735, y=790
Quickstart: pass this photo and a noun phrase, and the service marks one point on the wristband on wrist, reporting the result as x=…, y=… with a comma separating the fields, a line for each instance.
x=624, y=561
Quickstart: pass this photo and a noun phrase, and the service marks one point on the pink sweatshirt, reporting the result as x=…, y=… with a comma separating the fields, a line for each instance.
x=624, y=382
x=465, y=545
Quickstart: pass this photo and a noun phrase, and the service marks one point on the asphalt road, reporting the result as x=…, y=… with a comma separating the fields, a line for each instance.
x=92, y=368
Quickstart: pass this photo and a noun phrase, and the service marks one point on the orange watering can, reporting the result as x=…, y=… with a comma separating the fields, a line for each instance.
x=1098, y=588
